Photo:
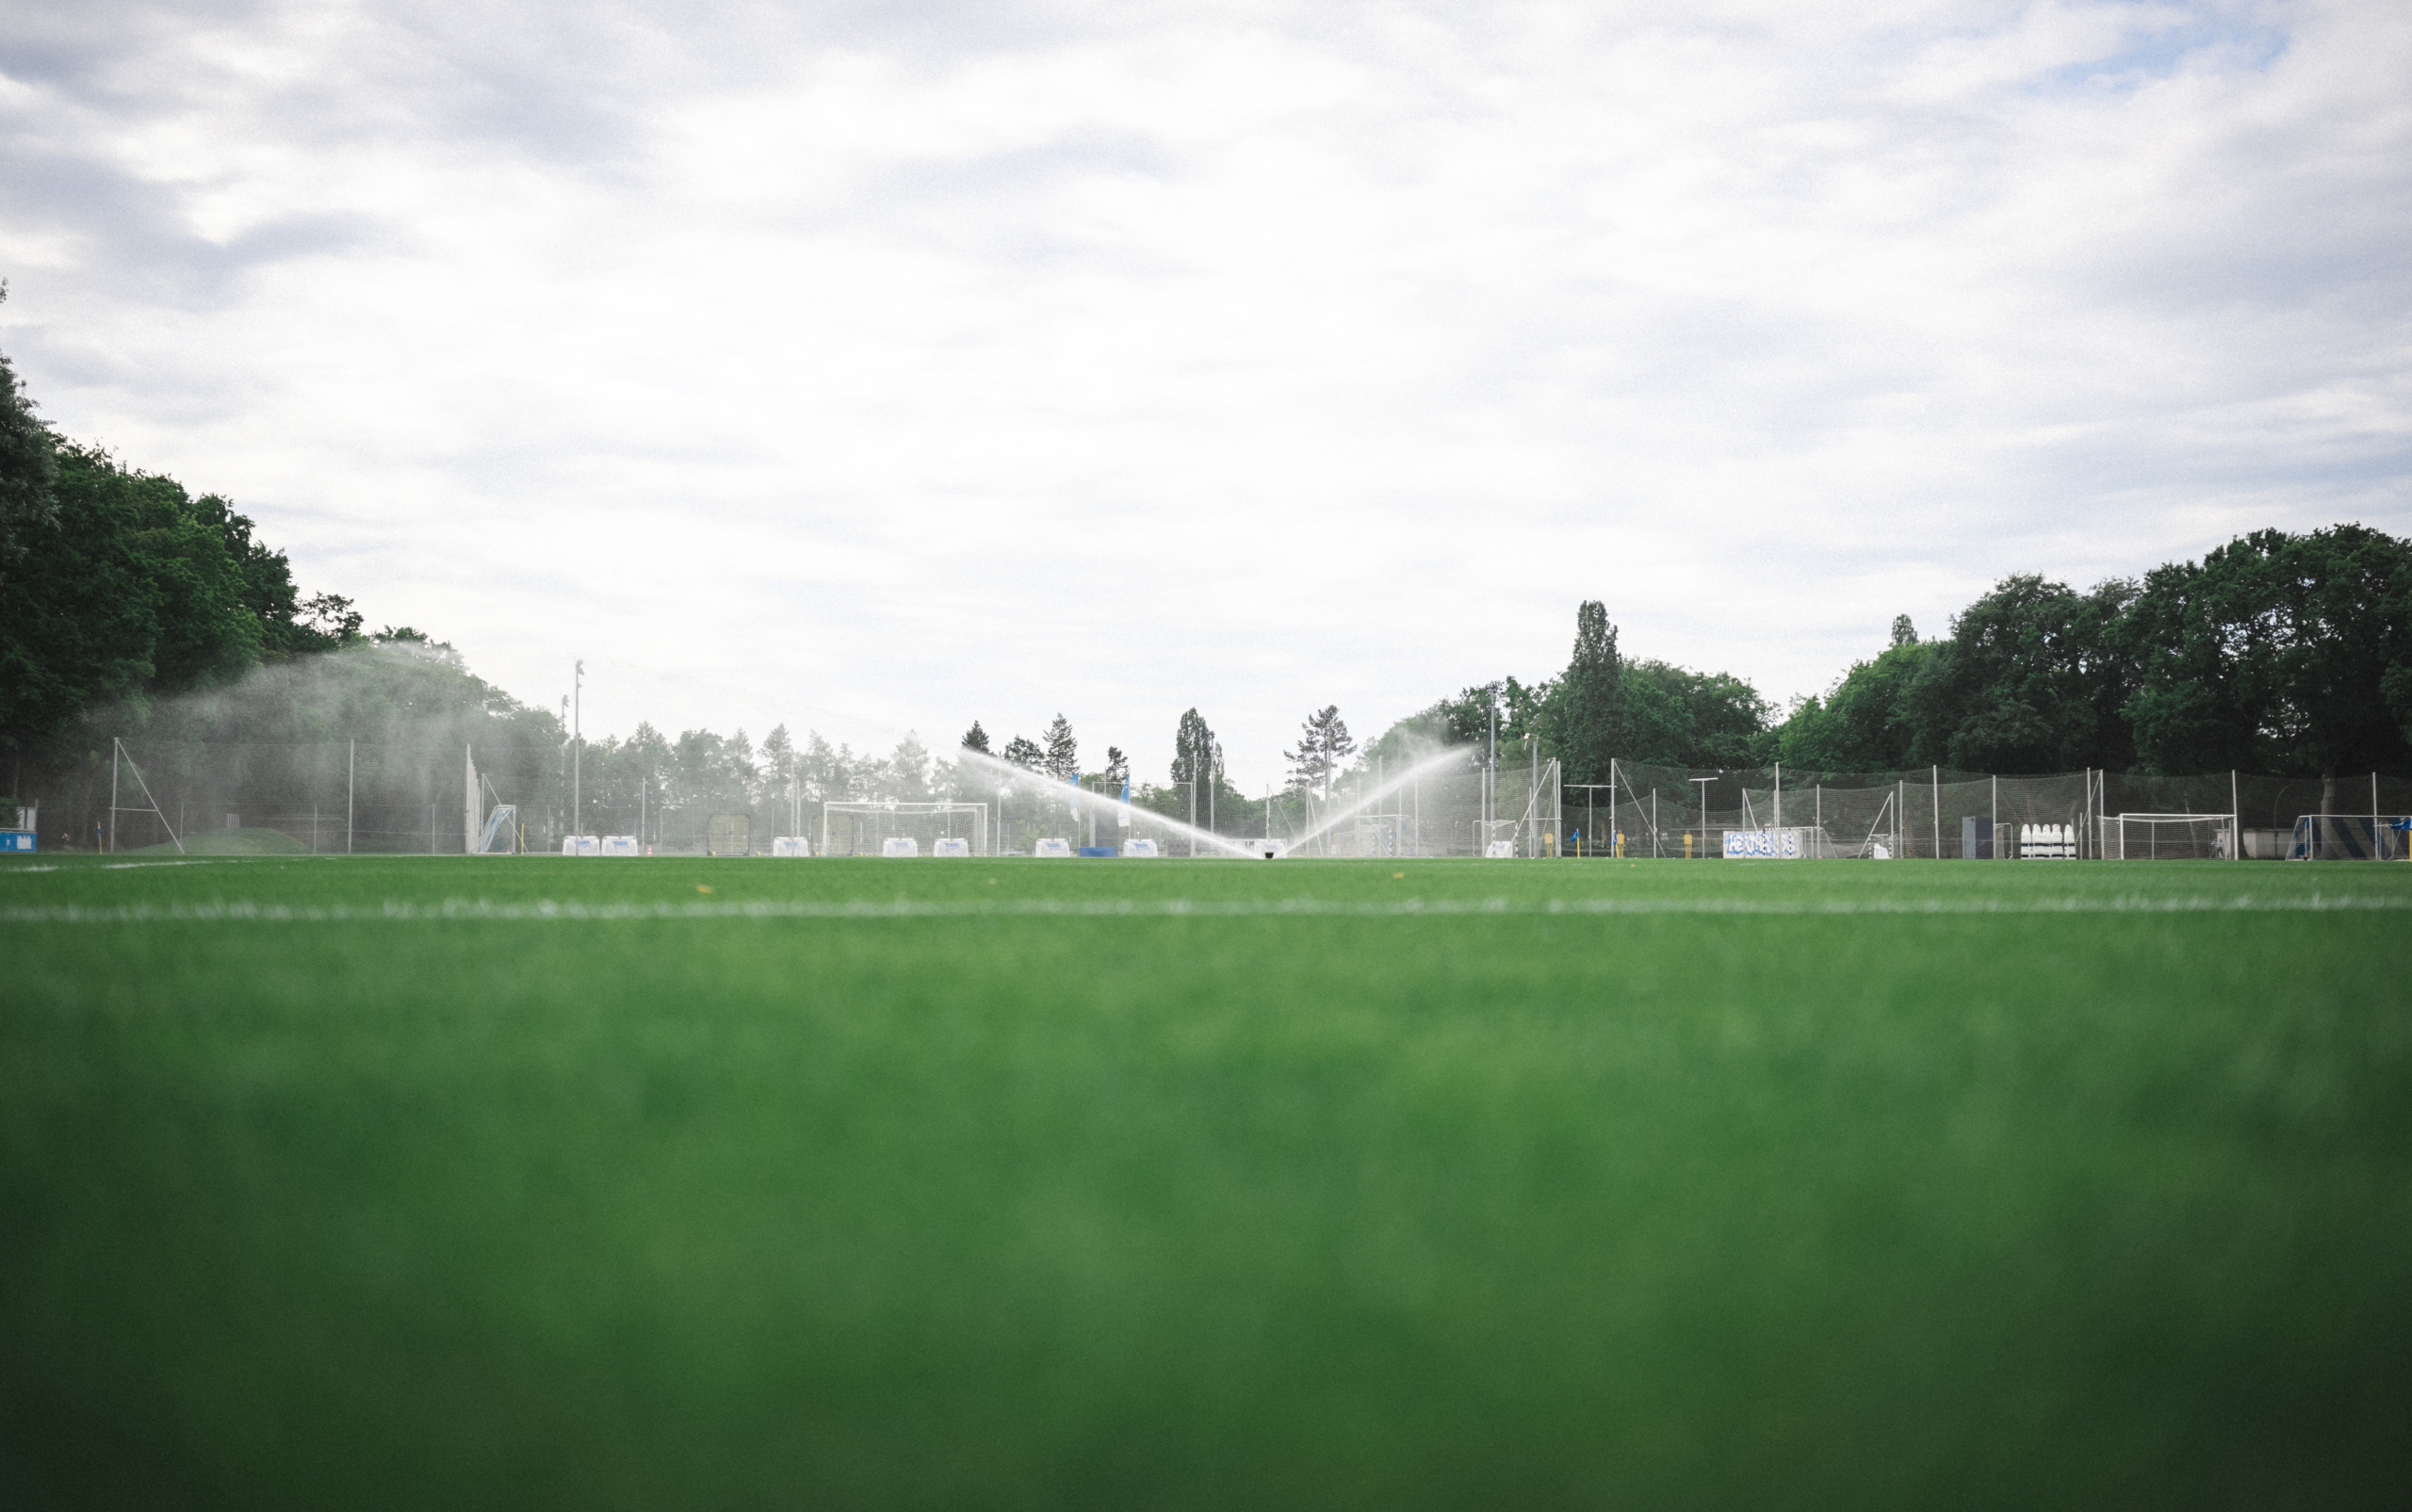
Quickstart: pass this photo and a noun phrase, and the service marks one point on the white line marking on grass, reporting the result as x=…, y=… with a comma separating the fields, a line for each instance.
x=551, y=910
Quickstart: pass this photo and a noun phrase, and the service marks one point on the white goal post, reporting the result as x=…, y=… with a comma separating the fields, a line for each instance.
x=2174, y=836
x=873, y=827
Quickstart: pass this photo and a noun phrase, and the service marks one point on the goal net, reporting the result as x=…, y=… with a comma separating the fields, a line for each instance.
x=2346, y=838
x=2173, y=836
x=881, y=828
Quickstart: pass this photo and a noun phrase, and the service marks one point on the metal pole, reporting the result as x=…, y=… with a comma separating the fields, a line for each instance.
x=1778, y=795
x=351, y=771
x=1936, y=772
x=577, y=749
x=1995, y=820
x=1490, y=774
x=115, y=745
x=2235, y=819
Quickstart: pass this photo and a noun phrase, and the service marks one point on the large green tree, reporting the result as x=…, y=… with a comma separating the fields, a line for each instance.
x=129, y=590
x=1585, y=717
x=2034, y=678
x=1861, y=724
x=27, y=466
x=2277, y=652
x=1680, y=718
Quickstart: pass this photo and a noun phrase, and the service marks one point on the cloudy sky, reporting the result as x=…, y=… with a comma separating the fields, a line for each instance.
x=873, y=365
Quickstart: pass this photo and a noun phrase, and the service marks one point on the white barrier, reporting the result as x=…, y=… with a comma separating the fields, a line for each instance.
x=1062, y=848
x=900, y=845
x=951, y=845
x=1786, y=844
x=620, y=845
x=791, y=845
x=1137, y=848
x=580, y=845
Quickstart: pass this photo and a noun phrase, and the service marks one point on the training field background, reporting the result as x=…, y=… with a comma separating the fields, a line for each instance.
x=504, y=1183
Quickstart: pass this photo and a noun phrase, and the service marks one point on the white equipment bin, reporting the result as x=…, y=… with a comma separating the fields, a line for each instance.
x=791, y=845
x=900, y=845
x=580, y=845
x=1139, y=848
x=620, y=845
x=1053, y=848
x=950, y=845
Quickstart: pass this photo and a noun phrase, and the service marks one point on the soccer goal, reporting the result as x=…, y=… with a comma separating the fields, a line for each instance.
x=2174, y=836
x=2346, y=838
x=877, y=829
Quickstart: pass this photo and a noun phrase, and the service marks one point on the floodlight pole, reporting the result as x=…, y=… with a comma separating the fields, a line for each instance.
x=1935, y=774
x=114, y=746
x=1491, y=776
x=577, y=750
x=351, y=771
x=1703, y=811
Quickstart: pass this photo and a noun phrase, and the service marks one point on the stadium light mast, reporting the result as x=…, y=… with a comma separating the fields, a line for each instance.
x=1491, y=776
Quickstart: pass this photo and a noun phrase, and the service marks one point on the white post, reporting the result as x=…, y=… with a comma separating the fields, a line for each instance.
x=1995, y=820
x=351, y=769
x=1936, y=773
x=468, y=801
x=1778, y=795
x=115, y=745
x=2235, y=818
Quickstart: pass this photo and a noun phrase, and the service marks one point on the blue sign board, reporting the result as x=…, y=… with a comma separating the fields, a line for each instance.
x=18, y=841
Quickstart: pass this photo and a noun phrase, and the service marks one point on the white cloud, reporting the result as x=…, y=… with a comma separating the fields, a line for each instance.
x=888, y=367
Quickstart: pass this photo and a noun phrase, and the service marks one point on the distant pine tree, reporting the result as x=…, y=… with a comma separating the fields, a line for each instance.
x=1063, y=758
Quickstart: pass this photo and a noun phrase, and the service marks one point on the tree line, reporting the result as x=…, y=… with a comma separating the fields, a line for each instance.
x=2277, y=653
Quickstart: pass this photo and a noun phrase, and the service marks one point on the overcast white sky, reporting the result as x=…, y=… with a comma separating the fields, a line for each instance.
x=872, y=366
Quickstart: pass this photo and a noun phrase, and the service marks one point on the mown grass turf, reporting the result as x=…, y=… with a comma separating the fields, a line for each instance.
x=2093, y=1200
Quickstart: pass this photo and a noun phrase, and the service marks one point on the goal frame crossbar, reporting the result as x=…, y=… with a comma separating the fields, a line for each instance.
x=978, y=811
x=2228, y=821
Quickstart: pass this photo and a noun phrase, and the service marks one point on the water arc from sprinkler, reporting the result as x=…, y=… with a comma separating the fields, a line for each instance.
x=1423, y=769
x=1049, y=787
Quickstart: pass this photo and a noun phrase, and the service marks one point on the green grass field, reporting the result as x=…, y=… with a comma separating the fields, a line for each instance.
x=534, y=1182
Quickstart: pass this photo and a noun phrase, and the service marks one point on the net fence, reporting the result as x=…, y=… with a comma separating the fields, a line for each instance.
x=436, y=797
x=1939, y=812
